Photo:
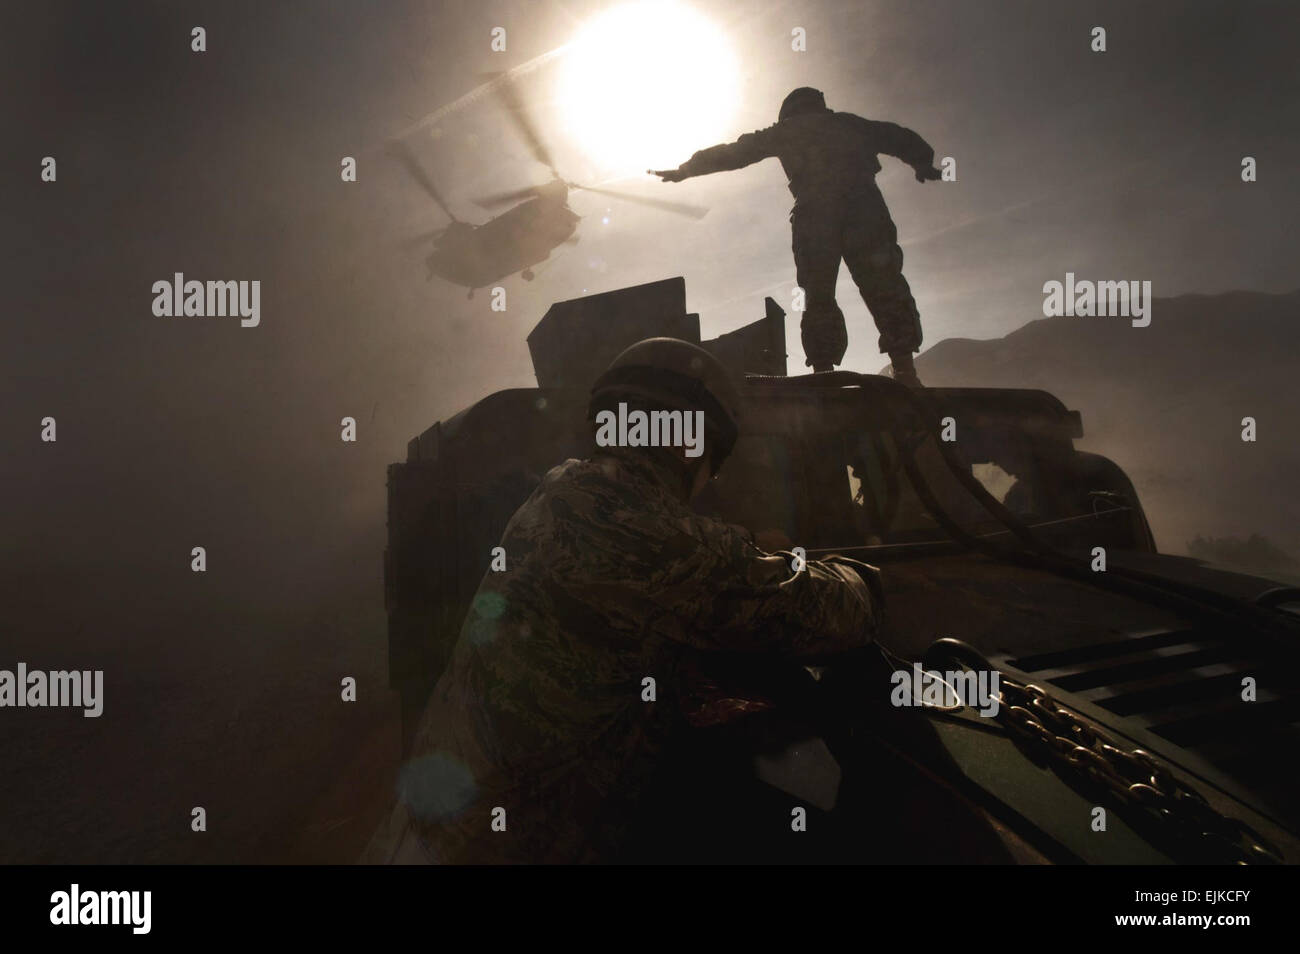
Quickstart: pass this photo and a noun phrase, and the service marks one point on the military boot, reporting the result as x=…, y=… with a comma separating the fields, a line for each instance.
x=903, y=368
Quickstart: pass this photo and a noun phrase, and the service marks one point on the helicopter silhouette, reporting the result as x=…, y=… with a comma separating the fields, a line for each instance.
x=475, y=256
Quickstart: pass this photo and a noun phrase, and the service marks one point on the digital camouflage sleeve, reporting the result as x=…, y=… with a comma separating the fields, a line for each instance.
x=538, y=737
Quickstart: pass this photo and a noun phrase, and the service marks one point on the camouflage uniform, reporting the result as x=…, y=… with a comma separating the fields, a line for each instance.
x=611, y=578
x=831, y=162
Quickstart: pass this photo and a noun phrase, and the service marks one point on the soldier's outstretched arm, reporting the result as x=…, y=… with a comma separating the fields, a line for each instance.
x=901, y=143
x=704, y=583
x=745, y=151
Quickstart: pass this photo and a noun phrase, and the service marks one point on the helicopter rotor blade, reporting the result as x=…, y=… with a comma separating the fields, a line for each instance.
x=402, y=153
x=504, y=198
x=523, y=121
x=666, y=205
x=424, y=238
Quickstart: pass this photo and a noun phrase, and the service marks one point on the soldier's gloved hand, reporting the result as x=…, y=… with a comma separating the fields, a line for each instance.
x=928, y=175
x=667, y=175
x=870, y=576
x=864, y=570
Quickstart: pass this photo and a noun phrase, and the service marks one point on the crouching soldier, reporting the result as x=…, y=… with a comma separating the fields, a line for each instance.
x=538, y=739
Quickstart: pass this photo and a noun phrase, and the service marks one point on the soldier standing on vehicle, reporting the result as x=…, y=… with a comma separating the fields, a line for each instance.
x=831, y=162
x=538, y=738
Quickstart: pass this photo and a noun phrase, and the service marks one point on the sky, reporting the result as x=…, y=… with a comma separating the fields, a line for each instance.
x=225, y=165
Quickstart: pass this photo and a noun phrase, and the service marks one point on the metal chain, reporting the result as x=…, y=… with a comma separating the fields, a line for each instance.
x=1173, y=814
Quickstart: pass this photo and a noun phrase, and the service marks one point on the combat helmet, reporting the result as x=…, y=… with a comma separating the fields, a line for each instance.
x=675, y=375
x=805, y=99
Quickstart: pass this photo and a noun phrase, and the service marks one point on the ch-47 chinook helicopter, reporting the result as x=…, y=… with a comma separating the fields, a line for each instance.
x=475, y=256
x=1121, y=689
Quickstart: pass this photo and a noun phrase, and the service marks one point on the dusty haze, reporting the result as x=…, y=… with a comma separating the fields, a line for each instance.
x=222, y=688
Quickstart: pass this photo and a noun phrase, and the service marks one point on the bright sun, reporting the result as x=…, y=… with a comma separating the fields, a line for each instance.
x=646, y=84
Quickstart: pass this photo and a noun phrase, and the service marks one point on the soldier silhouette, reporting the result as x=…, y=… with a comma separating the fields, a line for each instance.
x=830, y=159
x=613, y=577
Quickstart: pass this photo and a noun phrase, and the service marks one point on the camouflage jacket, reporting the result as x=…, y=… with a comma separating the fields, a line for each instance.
x=610, y=580
x=825, y=155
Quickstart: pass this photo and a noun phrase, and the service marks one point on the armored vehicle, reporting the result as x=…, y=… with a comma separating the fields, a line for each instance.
x=1146, y=712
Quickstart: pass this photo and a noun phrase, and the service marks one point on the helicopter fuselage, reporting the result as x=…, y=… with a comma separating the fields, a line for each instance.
x=478, y=255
